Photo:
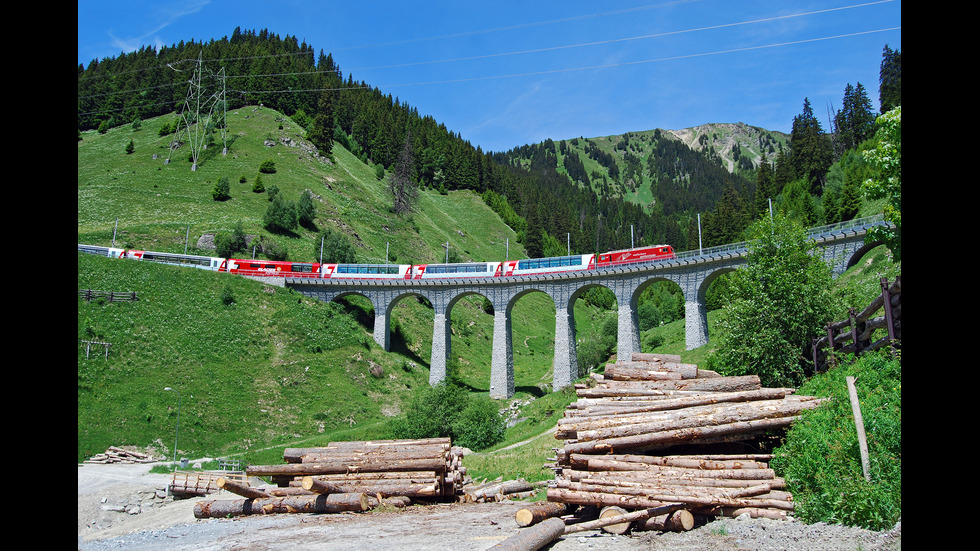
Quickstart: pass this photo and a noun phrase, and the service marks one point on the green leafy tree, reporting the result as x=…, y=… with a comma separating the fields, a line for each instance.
x=334, y=248
x=448, y=410
x=229, y=244
x=886, y=157
x=779, y=300
x=268, y=167
x=306, y=210
x=280, y=217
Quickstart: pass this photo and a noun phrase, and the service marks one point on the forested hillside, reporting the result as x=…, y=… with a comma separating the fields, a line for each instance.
x=285, y=75
x=589, y=193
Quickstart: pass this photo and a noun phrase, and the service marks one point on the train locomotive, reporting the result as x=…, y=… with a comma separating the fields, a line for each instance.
x=317, y=270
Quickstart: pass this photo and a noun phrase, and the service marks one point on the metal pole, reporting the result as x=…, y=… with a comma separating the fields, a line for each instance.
x=699, y=233
x=447, y=252
x=114, y=228
x=177, y=432
x=321, y=248
x=187, y=238
x=632, y=244
x=770, y=209
x=568, y=239
x=386, y=253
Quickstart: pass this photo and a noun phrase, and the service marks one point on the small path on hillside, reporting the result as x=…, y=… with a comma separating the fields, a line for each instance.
x=518, y=444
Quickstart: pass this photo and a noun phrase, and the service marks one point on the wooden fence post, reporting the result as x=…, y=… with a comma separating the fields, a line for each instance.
x=886, y=296
x=859, y=424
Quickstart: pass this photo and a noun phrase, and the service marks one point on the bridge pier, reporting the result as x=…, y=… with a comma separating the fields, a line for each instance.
x=441, y=348
x=502, y=359
x=382, y=324
x=565, y=366
x=695, y=324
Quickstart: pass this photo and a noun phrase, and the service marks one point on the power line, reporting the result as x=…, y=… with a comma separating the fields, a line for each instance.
x=628, y=39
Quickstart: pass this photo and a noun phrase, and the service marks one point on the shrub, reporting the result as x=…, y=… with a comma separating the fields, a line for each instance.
x=222, y=190
x=334, y=248
x=306, y=210
x=268, y=167
x=280, y=217
x=820, y=458
x=272, y=249
x=227, y=296
x=479, y=425
x=448, y=410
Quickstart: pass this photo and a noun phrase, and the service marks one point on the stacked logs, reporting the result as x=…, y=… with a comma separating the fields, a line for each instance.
x=616, y=432
x=118, y=455
x=349, y=476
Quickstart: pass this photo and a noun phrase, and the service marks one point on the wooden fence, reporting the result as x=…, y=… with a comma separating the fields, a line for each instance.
x=854, y=334
x=112, y=296
x=201, y=483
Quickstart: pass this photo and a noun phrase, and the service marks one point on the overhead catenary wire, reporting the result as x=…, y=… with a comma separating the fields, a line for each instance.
x=484, y=77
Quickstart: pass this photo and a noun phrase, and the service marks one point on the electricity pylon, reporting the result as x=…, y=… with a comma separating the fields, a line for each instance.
x=204, y=91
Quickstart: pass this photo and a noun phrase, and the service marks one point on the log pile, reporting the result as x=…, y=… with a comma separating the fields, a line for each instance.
x=498, y=491
x=119, y=455
x=622, y=436
x=348, y=476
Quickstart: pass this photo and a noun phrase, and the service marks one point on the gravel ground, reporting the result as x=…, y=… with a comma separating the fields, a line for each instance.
x=125, y=507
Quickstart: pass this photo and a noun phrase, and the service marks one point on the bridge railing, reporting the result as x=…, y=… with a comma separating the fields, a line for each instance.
x=857, y=224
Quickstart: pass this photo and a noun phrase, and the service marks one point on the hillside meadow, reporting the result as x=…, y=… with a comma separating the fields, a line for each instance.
x=260, y=368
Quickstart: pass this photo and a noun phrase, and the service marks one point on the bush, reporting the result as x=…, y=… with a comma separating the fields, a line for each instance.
x=820, y=458
x=306, y=210
x=334, y=248
x=448, y=410
x=280, y=217
x=222, y=190
x=479, y=425
x=268, y=167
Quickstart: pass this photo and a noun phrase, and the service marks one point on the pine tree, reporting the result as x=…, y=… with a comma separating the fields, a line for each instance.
x=321, y=135
x=811, y=149
x=890, y=80
x=401, y=183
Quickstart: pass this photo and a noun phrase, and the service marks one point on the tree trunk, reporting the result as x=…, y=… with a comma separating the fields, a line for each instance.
x=653, y=388
x=668, y=438
x=614, y=511
x=384, y=488
x=243, y=490
x=678, y=521
x=333, y=466
x=537, y=512
x=534, y=537
x=627, y=518
x=333, y=503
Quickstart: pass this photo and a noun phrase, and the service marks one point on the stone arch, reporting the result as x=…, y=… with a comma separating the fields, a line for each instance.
x=502, y=381
x=858, y=253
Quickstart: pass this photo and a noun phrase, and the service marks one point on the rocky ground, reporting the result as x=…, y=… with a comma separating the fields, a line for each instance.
x=124, y=507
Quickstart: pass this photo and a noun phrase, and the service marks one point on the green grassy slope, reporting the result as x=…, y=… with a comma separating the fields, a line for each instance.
x=276, y=369
x=273, y=367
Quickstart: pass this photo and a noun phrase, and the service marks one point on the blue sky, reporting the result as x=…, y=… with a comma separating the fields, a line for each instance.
x=506, y=73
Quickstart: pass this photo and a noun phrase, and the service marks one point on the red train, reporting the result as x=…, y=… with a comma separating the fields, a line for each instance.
x=508, y=268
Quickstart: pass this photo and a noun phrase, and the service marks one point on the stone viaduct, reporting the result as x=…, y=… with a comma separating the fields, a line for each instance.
x=693, y=272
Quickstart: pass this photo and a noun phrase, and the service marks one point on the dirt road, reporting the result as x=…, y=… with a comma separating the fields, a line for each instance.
x=125, y=507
